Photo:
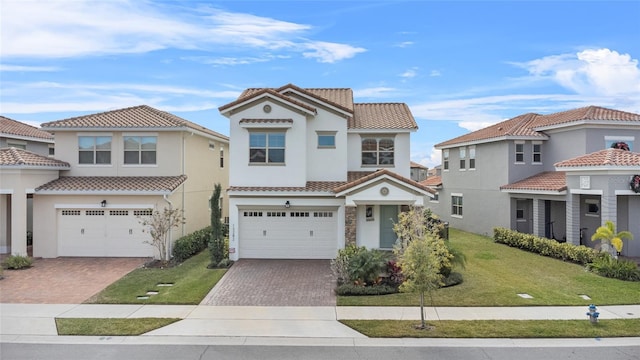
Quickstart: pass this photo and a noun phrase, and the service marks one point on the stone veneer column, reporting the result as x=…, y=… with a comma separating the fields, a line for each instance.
x=573, y=219
x=350, y=218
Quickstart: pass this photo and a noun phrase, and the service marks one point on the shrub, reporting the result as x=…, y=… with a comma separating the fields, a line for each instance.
x=394, y=274
x=189, y=245
x=365, y=267
x=575, y=253
x=340, y=265
x=17, y=262
x=454, y=278
x=356, y=290
x=607, y=266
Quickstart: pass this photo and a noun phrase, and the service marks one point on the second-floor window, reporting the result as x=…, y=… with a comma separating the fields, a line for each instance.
x=140, y=149
x=463, y=158
x=266, y=147
x=445, y=159
x=221, y=157
x=519, y=152
x=536, y=150
x=378, y=151
x=472, y=157
x=94, y=149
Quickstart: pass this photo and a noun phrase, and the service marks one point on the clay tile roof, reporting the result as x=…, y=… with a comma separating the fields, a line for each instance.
x=266, y=121
x=416, y=165
x=382, y=116
x=23, y=158
x=517, y=126
x=137, y=117
x=339, y=97
x=585, y=114
x=255, y=93
x=604, y=158
x=379, y=173
x=544, y=181
x=432, y=181
x=311, y=186
x=116, y=184
x=16, y=128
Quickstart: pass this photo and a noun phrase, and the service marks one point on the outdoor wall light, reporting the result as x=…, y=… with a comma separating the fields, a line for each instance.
x=103, y=203
x=287, y=204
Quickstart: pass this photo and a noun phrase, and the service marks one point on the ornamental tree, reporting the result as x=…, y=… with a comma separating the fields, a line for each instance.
x=610, y=241
x=159, y=225
x=216, y=241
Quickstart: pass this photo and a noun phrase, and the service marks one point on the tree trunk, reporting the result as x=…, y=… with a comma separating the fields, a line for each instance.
x=424, y=326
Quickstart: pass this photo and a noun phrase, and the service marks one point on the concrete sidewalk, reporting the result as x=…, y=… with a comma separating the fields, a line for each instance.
x=276, y=322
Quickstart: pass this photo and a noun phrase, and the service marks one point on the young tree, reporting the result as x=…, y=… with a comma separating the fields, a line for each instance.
x=610, y=241
x=216, y=241
x=159, y=225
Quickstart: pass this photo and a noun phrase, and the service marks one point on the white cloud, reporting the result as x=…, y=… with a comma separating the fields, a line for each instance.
x=25, y=68
x=411, y=73
x=590, y=72
x=59, y=29
x=435, y=73
x=427, y=155
x=404, y=44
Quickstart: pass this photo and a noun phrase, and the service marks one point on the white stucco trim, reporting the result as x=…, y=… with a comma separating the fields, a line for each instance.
x=385, y=178
x=534, y=192
x=626, y=192
x=585, y=192
x=6, y=191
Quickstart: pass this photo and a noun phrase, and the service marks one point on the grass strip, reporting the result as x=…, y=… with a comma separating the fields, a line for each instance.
x=191, y=282
x=497, y=328
x=495, y=274
x=110, y=327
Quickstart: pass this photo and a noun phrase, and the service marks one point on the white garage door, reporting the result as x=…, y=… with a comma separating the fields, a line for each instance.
x=115, y=233
x=277, y=234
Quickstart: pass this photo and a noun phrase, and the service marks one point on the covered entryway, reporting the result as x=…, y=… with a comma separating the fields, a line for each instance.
x=290, y=234
x=102, y=232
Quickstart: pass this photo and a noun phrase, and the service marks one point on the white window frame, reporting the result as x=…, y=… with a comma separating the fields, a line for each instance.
x=610, y=139
x=269, y=147
x=463, y=158
x=534, y=152
x=95, y=150
x=472, y=157
x=519, y=143
x=327, y=134
x=588, y=203
x=18, y=144
x=460, y=212
x=445, y=160
x=139, y=151
x=378, y=151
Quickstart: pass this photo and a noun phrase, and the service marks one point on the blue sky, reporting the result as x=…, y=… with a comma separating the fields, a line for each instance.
x=459, y=65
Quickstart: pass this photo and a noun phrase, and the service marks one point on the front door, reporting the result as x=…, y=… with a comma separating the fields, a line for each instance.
x=388, y=217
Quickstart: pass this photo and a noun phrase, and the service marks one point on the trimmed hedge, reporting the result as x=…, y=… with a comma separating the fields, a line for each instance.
x=579, y=254
x=189, y=245
x=17, y=262
x=358, y=290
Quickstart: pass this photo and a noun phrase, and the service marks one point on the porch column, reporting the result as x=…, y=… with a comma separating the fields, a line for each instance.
x=19, y=224
x=573, y=219
x=538, y=217
x=350, y=220
x=609, y=211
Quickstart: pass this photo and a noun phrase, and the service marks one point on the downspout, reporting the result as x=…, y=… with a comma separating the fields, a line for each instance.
x=170, y=247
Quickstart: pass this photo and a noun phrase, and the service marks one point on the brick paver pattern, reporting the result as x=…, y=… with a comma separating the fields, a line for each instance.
x=253, y=282
x=64, y=280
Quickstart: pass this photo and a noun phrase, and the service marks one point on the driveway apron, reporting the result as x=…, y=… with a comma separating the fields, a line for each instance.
x=260, y=282
x=64, y=280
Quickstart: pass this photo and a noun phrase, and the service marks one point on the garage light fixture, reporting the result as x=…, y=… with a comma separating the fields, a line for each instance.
x=103, y=203
x=287, y=204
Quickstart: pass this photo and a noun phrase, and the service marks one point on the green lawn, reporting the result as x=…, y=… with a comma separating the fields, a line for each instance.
x=191, y=282
x=496, y=273
x=110, y=327
x=497, y=329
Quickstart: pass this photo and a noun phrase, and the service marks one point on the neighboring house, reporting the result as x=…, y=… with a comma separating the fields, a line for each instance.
x=312, y=171
x=24, y=164
x=117, y=166
x=553, y=175
x=418, y=171
x=436, y=170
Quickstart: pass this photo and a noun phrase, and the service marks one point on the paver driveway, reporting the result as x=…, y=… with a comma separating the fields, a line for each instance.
x=63, y=280
x=253, y=282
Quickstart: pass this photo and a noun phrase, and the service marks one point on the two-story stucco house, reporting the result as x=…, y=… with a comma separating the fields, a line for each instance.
x=121, y=164
x=311, y=170
x=25, y=163
x=553, y=175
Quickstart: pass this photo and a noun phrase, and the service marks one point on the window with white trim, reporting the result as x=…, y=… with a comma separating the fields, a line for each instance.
x=326, y=139
x=52, y=150
x=378, y=151
x=445, y=159
x=472, y=157
x=536, y=151
x=94, y=150
x=140, y=150
x=456, y=205
x=17, y=144
x=520, y=152
x=620, y=142
x=463, y=158
x=266, y=147
x=221, y=157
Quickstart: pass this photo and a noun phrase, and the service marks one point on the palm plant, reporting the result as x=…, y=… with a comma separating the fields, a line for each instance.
x=611, y=240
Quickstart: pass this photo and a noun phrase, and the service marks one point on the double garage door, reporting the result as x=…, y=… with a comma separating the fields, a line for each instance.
x=277, y=234
x=98, y=232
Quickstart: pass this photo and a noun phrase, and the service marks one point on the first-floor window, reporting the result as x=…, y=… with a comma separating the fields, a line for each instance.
x=140, y=149
x=266, y=147
x=94, y=149
x=456, y=205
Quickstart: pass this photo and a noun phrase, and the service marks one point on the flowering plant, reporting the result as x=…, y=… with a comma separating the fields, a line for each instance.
x=635, y=183
x=620, y=145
